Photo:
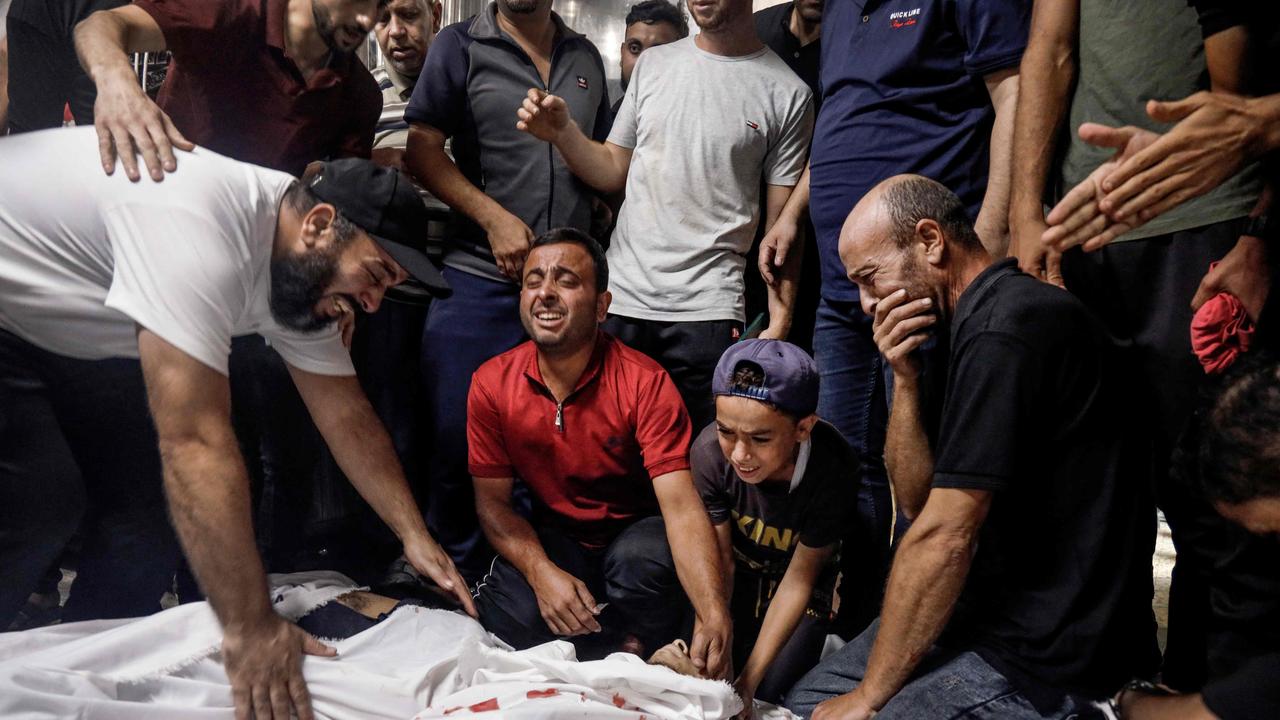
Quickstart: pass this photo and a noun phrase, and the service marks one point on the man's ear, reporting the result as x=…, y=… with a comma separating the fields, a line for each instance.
x=602, y=305
x=929, y=234
x=437, y=13
x=804, y=428
x=317, y=225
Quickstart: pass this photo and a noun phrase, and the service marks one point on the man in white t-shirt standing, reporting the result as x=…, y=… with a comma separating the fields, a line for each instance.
x=703, y=121
x=115, y=295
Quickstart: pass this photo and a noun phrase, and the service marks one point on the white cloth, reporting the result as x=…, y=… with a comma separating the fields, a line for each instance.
x=417, y=662
x=705, y=130
x=84, y=257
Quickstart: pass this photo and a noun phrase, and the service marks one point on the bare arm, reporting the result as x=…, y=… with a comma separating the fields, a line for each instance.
x=785, y=611
x=208, y=491
x=992, y=224
x=603, y=166
x=1136, y=706
x=929, y=571
x=128, y=122
x=724, y=542
x=900, y=327
x=364, y=451
x=785, y=232
x=564, y=601
x=426, y=160
x=697, y=558
x=782, y=293
x=1047, y=72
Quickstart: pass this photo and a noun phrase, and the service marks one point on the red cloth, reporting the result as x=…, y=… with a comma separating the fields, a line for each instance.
x=1220, y=331
x=591, y=475
x=232, y=88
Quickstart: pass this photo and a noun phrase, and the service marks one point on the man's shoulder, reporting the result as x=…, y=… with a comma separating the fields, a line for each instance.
x=499, y=369
x=772, y=15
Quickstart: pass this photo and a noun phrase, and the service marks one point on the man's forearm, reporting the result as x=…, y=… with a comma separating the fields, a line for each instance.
x=1045, y=78
x=103, y=42
x=929, y=571
x=426, y=160
x=697, y=557
x=781, y=296
x=593, y=162
x=511, y=536
x=992, y=223
x=364, y=452
x=208, y=492
x=1136, y=706
x=907, y=455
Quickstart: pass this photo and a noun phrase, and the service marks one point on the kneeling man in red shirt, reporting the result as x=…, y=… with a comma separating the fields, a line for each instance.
x=599, y=435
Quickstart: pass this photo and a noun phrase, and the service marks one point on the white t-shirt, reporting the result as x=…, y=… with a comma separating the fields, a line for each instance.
x=705, y=131
x=84, y=257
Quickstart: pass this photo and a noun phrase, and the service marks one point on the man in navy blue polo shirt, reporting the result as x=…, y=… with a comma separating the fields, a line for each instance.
x=504, y=187
x=908, y=86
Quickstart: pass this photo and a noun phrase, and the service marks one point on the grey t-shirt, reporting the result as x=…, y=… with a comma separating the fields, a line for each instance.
x=705, y=130
x=1129, y=53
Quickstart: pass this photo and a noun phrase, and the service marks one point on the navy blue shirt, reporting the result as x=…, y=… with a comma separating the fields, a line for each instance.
x=903, y=92
x=474, y=79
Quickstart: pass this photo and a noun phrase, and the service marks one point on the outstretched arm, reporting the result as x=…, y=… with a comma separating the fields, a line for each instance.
x=786, y=286
x=128, y=122
x=603, y=166
x=208, y=491
x=929, y=571
x=697, y=556
x=364, y=451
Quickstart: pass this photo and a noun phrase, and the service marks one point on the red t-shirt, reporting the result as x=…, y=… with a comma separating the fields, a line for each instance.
x=231, y=88
x=589, y=461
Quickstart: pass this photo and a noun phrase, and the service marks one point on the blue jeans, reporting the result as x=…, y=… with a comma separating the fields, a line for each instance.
x=480, y=320
x=947, y=684
x=852, y=397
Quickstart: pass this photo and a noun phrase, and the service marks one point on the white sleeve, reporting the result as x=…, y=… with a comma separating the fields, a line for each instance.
x=321, y=353
x=623, y=132
x=785, y=162
x=177, y=275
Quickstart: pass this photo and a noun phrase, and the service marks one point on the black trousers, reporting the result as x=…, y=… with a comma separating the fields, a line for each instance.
x=688, y=351
x=635, y=575
x=76, y=441
x=1142, y=291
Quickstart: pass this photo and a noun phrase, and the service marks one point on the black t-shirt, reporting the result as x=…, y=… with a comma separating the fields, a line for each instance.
x=1034, y=413
x=58, y=18
x=773, y=25
x=768, y=520
x=1252, y=693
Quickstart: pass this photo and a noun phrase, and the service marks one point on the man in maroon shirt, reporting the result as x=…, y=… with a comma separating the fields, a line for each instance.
x=598, y=433
x=270, y=82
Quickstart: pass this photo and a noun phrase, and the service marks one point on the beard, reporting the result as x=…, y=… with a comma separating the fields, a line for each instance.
x=521, y=7
x=297, y=284
x=328, y=31
x=718, y=18
x=917, y=286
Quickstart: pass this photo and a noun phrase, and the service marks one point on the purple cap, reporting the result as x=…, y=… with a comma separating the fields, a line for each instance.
x=790, y=375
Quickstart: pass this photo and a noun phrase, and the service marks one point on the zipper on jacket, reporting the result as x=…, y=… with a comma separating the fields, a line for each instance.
x=560, y=416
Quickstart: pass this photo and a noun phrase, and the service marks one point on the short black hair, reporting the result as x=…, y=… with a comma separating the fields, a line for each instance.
x=912, y=199
x=656, y=11
x=302, y=198
x=749, y=376
x=573, y=236
x=1239, y=449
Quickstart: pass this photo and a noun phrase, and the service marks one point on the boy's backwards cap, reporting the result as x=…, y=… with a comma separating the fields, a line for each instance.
x=790, y=375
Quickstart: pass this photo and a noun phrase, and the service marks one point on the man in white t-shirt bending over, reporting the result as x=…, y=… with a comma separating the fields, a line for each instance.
x=96, y=271
x=703, y=122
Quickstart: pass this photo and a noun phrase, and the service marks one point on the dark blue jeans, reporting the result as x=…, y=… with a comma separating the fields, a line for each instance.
x=76, y=441
x=852, y=397
x=480, y=320
x=946, y=685
x=635, y=575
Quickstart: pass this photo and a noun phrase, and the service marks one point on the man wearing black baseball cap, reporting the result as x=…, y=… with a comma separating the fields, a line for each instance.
x=117, y=312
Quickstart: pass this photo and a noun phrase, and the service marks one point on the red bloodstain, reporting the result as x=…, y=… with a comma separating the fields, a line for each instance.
x=486, y=706
x=549, y=692
x=618, y=701
x=452, y=710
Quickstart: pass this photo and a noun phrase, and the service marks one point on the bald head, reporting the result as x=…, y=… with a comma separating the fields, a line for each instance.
x=905, y=233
